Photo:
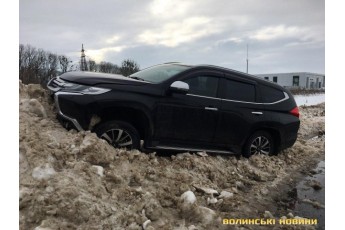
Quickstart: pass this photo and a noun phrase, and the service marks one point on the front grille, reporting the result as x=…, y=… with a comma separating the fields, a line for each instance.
x=53, y=84
x=56, y=84
x=58, y=81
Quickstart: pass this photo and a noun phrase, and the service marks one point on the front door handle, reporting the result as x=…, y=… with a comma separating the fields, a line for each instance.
x=257, y=113
x=211, y=108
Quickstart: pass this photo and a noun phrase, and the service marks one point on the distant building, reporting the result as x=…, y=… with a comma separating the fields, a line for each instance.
x=296, y=80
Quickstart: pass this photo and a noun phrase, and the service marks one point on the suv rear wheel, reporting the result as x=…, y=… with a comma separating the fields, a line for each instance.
x=119, y=134
x=260, y=142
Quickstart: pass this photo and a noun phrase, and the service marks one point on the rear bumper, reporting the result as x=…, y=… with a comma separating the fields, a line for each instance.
x=289, y=135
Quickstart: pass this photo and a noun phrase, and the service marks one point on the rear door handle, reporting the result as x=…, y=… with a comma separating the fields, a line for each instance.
x=257, y=113
x=211, y=108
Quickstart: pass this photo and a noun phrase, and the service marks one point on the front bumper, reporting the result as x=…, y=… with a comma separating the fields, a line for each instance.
x=75, y=103
x=68, y=118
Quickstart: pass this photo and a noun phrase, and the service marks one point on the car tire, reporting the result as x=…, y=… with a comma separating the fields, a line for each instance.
x=119, y=134
x=261, y=142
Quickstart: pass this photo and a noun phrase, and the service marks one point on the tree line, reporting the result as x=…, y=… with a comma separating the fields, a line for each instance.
x=37, y=66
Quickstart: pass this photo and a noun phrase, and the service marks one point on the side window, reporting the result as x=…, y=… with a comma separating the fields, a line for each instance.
x=270, y=94
x=203, y=85
x=239, y=91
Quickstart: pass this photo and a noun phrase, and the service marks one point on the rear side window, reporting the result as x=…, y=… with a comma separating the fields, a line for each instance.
x=270, y=94
x=239, y=91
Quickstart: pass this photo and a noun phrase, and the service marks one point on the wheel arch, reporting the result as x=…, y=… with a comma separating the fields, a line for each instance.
x=275, y=134
x=136, y=115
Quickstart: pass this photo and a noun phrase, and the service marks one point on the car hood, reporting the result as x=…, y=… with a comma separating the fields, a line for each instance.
x=93, y=78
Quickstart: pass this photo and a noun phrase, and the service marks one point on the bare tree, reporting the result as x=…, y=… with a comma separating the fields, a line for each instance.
x=29, y=62
x=21, y=56
x=107, y=67
x=38, y=65
x=51, y=67
x=64, y=63
x=129, y=67
x=22, y=62
x=92, y=65
x=116, y=69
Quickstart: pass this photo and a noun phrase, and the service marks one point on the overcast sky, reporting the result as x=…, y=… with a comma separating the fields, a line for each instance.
x=283, y=36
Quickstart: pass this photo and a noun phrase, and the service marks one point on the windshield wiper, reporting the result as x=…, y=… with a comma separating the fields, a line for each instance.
x=137, y=78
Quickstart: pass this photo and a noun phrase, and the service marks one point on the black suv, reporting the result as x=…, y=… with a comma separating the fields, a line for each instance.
x=180, y=107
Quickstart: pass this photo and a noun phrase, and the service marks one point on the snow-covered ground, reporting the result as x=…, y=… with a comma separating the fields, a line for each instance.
x=312, y=99
x=74, y=180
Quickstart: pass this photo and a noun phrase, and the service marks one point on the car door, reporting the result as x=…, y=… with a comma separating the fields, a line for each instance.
x=195, y=114
x=239, y=111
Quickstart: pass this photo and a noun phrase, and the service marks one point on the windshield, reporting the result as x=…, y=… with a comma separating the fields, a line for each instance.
x=159, y=73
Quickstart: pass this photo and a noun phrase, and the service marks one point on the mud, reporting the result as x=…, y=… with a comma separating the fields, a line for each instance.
x=74, y=180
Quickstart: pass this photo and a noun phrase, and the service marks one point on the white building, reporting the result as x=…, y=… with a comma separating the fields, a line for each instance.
x=297, y=79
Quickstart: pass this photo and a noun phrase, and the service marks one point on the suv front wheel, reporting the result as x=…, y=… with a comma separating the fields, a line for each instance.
x=119, y=134
x=261, y=142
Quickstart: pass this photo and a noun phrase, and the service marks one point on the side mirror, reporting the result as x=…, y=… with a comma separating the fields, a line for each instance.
x=179, y=87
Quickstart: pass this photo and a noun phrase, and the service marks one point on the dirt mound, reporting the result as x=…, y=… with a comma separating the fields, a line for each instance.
x=74, y=180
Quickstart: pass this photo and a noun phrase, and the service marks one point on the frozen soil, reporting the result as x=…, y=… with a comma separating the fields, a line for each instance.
x=74, y=180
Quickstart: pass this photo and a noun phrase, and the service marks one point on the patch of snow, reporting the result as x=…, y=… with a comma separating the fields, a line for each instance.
x=211, y=200
x=226, y=194
x=206, y=190
x=188, y=197
x=268, y=215
x=50, y=189
x=43, y=172
x=207, y=214
x=41, y=228
x=146, y=223
x=99, y=170
x=308, y=100
x=23, y=192
x=192, y=227
x=33, y=106
x=202, y=154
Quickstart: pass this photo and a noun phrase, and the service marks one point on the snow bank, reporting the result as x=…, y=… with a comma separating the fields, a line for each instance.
x=308, y=100
x=74, y=180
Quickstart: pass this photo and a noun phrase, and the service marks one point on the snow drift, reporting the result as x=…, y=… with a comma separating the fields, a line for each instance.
x=74, y=180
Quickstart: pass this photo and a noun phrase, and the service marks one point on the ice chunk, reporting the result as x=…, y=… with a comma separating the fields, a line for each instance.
x=43, y=172
x=188, y=197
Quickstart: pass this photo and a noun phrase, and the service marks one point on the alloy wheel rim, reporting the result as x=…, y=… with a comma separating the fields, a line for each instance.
x=260, y=145
x=118, y=138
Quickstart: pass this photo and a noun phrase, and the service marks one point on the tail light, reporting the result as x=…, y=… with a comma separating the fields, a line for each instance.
x=295, y=112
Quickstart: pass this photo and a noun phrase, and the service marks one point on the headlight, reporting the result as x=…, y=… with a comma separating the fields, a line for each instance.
x=84, y=89
x=94, y=90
